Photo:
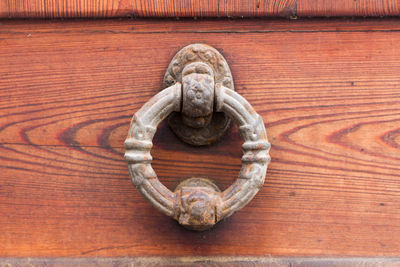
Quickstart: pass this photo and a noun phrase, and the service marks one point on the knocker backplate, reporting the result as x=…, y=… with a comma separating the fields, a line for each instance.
x=220, y=122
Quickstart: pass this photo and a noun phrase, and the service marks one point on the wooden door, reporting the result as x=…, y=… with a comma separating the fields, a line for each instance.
x=327, y=90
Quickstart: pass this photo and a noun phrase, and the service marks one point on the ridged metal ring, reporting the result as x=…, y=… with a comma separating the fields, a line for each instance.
x=197, y=203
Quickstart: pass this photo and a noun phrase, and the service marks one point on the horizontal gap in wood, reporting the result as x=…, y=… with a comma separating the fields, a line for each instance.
x=203, y=26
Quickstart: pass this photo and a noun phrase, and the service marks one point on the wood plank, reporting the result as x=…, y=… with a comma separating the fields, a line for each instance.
x=195, y=8
x=329, y=98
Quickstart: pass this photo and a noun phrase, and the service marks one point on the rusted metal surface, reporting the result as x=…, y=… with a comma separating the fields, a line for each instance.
x=198, y=128
x=197, y=95
x=197, y=203
x=197, y=199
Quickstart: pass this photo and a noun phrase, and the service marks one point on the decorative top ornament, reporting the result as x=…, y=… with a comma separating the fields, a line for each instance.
x=192, y=126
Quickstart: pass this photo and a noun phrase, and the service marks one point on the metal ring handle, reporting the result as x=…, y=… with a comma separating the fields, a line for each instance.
x=197, y=203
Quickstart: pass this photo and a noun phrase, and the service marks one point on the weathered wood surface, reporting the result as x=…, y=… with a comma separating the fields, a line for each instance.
x=328, y=91
x=202, y=261
x=196, y=8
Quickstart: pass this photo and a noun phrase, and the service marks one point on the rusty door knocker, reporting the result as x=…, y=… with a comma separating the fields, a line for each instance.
x=200, y=99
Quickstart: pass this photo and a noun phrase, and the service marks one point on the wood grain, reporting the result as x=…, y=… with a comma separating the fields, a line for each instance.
x=328, y=92
x=195, y=8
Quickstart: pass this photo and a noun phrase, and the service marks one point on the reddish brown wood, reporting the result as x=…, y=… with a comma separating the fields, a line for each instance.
x=155, y=26
x=195, y=8
x=327, y=90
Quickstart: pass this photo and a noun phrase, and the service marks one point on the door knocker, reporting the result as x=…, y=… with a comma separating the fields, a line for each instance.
x=200, y=100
